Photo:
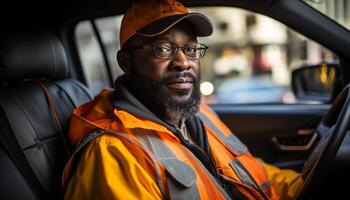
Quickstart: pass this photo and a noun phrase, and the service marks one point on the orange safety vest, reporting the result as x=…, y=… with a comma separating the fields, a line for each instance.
x=179, y=174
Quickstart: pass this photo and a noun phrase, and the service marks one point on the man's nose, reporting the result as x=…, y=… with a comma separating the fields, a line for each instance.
x=180, y=61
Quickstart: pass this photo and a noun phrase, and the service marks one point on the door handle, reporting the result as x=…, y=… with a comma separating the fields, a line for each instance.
x=303, y=141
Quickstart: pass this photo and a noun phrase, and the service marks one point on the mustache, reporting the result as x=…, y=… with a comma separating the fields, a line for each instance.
x=179, y=75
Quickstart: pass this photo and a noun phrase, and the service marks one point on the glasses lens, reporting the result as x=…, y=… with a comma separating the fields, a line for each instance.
x=195, y=51
x=190, y=51
x=162, y=50
x=166, y=50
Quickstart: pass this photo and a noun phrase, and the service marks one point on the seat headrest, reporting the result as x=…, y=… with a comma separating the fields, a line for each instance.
x=32, y=55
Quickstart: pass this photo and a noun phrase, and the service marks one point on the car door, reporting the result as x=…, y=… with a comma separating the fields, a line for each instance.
x=282, y=135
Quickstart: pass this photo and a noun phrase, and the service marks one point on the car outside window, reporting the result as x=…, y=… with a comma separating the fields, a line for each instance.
x=249, y=60
x=91, y=58
x=251, y=56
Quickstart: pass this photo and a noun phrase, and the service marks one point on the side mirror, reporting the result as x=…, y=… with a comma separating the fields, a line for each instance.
x=315, y=82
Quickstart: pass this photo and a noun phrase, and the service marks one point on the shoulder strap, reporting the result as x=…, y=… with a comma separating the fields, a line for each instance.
x=236, y=147
x=54, y=115
x=77, y=152
x=9, y=141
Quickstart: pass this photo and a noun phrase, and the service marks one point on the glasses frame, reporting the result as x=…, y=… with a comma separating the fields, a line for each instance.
x=174, y=50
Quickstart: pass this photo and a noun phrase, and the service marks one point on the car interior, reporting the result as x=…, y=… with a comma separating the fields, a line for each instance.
x=43, y=80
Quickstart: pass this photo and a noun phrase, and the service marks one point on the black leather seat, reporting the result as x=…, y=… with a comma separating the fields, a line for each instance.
x=27, y=122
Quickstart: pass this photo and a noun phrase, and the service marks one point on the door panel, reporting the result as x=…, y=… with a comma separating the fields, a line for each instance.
x=282, y=135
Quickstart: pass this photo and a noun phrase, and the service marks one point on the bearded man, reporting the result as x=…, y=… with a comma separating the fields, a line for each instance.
x=152, y=137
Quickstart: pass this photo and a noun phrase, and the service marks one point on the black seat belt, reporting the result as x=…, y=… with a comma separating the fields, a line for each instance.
x=9, y=141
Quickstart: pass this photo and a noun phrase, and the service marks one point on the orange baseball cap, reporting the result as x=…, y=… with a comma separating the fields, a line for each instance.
x=150, y=18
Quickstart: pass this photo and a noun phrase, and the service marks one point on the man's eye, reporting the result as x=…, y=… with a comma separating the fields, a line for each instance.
x=162, y=50
x=190, y=49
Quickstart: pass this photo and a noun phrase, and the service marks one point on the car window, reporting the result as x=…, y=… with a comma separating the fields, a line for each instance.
x=251, y=56
x=109, y=30
x=249, y=60
x=91, y=58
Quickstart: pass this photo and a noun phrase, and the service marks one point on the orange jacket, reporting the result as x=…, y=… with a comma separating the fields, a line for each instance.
x=133, y=157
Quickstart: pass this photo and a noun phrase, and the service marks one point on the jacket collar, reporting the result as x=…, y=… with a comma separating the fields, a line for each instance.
x=133, y=114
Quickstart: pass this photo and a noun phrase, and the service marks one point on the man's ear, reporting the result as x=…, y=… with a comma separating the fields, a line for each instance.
x=123, y=58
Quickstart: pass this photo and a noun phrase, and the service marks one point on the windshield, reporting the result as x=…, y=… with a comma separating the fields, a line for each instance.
x=338, y=10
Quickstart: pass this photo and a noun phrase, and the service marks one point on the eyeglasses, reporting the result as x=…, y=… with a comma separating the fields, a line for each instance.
x=167, y=50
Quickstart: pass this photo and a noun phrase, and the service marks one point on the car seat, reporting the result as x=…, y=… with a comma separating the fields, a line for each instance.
x=37, y=98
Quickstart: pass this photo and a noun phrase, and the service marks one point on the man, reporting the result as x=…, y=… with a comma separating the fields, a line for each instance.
x=151, y=137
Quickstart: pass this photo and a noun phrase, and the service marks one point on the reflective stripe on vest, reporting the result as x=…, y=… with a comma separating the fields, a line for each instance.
x=233, y=144
x=236, y=147
x=181, y=179
x=152, y=141
x=180, y=173
x=245, y=177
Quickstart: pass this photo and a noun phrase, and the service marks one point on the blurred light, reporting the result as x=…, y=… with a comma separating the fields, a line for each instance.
x=324, y=74
x=288, y=98
x=207, y=88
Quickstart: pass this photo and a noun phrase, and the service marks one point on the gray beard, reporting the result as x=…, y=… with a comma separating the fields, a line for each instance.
x=184, y=109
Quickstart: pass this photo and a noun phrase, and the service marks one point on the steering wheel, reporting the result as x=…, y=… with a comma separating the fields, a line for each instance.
x=332, y=130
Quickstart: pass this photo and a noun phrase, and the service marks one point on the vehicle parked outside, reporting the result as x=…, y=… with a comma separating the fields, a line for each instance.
x=250, y=90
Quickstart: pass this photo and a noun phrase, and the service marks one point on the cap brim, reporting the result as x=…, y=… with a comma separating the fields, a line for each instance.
x=201, y=23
